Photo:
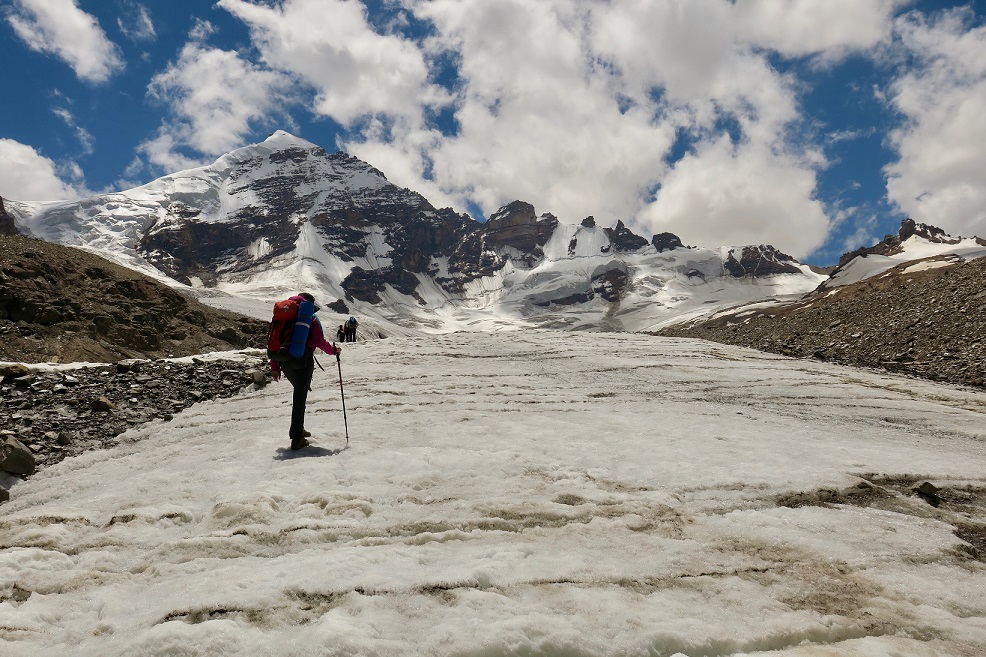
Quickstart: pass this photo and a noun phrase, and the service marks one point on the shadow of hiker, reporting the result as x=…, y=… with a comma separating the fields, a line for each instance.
x=288, y=454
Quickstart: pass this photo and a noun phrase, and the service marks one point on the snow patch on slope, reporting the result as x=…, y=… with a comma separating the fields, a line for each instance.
x=913, y=248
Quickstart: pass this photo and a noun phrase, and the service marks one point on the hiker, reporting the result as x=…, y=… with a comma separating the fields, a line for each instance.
x=341, y=333
x=351, y=329
x=299, y=372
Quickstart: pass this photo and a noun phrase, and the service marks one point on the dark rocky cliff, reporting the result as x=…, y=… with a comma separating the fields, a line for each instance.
x=7, y=225
x=763, y=260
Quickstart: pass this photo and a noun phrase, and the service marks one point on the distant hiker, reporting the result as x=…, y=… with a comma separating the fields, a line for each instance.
x=300, y=333
x=341, y=333
x=351, y=325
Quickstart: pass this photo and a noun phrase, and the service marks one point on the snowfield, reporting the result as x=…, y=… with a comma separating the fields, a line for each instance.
x=527, y=493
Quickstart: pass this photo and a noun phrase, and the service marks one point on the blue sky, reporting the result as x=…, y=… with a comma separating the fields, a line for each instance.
x=813, y=125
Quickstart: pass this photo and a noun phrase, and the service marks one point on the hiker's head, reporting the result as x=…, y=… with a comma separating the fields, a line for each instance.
x=307, y=296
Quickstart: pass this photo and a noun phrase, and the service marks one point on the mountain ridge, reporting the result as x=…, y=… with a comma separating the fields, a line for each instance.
x=283, y=215
x=272, y=218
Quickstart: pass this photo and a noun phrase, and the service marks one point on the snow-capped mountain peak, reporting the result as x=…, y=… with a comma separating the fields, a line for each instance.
x=284, y=215
x=281, y=140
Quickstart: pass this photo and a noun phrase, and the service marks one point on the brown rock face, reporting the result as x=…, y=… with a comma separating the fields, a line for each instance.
x=7, y=226
x=63, y=304
x=305, y=184
x=514, y=225
x=479, y=250
x=191, y=248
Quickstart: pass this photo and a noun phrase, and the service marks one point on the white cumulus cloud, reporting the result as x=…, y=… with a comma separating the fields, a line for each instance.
x=741, y=194
x=62, y=29
x=940, y=175
x=356, y=72
x=796, y=28
x=536, y=120
x=27, y=175
x=216, y=98
x=582, y=106
x=576, y=107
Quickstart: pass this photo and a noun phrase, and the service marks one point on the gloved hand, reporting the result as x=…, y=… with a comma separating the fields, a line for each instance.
x=275, y=376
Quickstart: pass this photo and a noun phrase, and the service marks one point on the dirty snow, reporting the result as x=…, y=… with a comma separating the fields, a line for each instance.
x=530, y=493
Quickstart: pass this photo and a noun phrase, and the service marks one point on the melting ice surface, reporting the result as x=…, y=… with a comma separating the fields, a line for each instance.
x=520, y=494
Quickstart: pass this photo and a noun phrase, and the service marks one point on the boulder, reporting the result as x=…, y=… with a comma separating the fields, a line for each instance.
x=925, y=488
x=14, y=370
x=25, y=381
x=129, y=365
x=16, y=458
x=103, y=404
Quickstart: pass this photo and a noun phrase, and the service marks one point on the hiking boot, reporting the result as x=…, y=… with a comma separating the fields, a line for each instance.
x=306, y=433
x=299, y=443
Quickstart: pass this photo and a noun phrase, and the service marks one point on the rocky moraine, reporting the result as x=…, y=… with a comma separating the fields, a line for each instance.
x=49, y=414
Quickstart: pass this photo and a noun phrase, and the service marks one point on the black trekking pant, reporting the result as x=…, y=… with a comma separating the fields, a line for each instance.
x=299, y=372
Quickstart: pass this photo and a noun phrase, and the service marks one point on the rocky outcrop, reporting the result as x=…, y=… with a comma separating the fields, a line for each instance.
x=188, y=249
x=610, y=283
x=7, y=225
x=892, y=244
x=415, y=242
x=514, y=232
x=624, y=239
x=666, y=242
x=757, y=261
x=928, y=324
x=275, y=194
x=63, y=304
x=516, y=225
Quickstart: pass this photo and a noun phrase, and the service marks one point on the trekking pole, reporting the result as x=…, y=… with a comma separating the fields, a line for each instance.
x=342, y=393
